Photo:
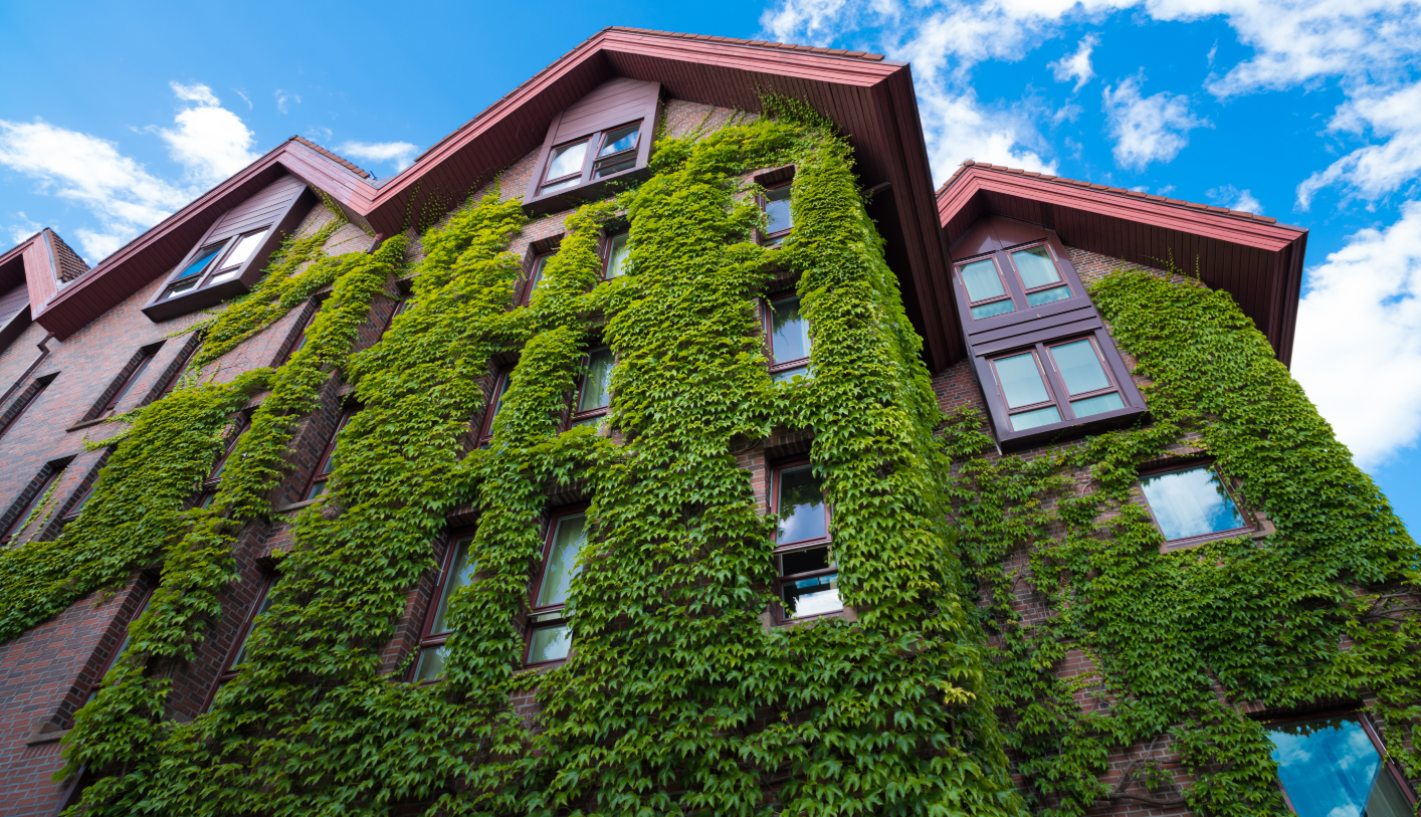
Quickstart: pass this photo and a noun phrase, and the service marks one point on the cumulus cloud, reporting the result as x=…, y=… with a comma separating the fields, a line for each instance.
x=209, y=141
x=1375, y=170
x=399, y=154
x=1235, y=199
x=1077, y=66
x=1147, y=128
x=1358, y=345
x=24, y=228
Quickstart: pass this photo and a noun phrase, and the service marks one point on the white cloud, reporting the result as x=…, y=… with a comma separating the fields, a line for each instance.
x=1077, y=66
x=210, y=141
x=400, y=154
x=815, y=21
x=1373, y=171
x=25, y=228
x=1147, y=128
x=1358, y=345
x=1235, y=199
x=244, y=97
x=318, y=134
x=284, y=97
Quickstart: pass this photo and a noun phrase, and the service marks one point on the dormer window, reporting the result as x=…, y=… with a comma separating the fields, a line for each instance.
x=601, y=138
x=230, y=258
x=1012, y=281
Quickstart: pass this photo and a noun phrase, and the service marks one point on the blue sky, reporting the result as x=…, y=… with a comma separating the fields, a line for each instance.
x=1305, y=110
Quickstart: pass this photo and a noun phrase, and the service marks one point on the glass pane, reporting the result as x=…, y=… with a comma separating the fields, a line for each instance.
x=562, y=185
x=200, y=263
x=777, y=209
x=223, y=276
x=1097, y=405
x=431, y=663
x=801, y=506
x=316, y=490
x=461, y=572
x=1046, y=296
x=811, y=597
x=242, y=651
x=1033, y=419
x=246, y=245
x=567, y=160
x=1021, y=380
x=789, y=339
x=562, y=561
x=617, y=255
x=611, y=166
x=595, y=382
x=498, y=400
x=178, y=289
x=590, y=421
x=805, y=561
x=786, y=375
x=1079, y=366
x=536, y=276
x=1190, y=503
x=550, y=644
x=1330, y=768
x=994, y=308
x=1036, y=267
x=619, y=140
x=982, y=281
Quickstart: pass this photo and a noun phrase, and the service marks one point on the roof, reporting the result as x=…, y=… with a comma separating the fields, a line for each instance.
x=1253, y=257
x=871, y=99
x=341, y=160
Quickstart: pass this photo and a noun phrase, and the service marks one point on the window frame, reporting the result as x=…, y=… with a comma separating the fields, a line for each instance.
x=774, y=240
x=229, y=671
x=98, y=683
x=1373, y=734
x=639, y=104
x=179, y=365
x=427, y=639
x=501, y=380
x=768, y=321
x=610, y=242
x=299, y=341
x=47, y=477
x=1015, y=285
x=615, y=158
x=576, y=417
x=1177, y=464
x=553, y=615
x=1006, y=295
x=321, y=474
x=534, y=277
x=1059, y=395
x=777, y=472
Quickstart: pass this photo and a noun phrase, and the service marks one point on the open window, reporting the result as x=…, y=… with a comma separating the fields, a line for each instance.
x=594, y=395
x=1337, y=765
x=549, y=634
x=458, y=573
x=603, y=138
x=787, y=336
x=229, y=258
x=1192, y=503
x=807, y=579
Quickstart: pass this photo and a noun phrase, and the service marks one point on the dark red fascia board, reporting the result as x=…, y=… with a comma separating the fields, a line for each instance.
x=870, y=98
x=1283, y=245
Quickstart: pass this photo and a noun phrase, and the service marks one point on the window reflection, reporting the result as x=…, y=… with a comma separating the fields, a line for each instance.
x=1331, y=768
x=801, y=511
x=1190, y=502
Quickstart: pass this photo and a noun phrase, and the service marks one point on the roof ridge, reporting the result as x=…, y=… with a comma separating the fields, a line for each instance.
x=341, y=160
x=811, y=49
x=1119, y=191
x=66, y=258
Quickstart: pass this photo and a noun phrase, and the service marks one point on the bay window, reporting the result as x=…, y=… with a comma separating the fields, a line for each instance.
x=1054, y=382
x=1015, y=280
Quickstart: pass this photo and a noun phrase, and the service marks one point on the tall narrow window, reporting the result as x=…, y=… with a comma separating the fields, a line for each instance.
x=807, y=580
x=123, y=645
x=120, y=388
x=788, y=340
x=1336, y=766
x=400, y=306
x=27, y=506
x=178, y=368
x=458, y=573
x=549, y=636
x=500, y=388
x=614, y=265
x=327, y=462
x=231, y=433
x=1192, y=504
x=238, y=655
x=535, y=276
x=778, y=219
x=594, y=396
x=300, y=342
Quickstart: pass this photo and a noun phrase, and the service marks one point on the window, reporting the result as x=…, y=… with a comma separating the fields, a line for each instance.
x=1192, y=504
x=234, y=430
x=789, y=342
x=615, y=264
x=327, y=462
x=807, y=582
x=1012, y=280
x=22, y=404
x=1334, y=766
x=216, y=263
x=598, y=156
x=549, y=636
x=179, y=366
x=233, y=667
x=123, y=645
x=300, y=342
x=24, y=508
x=126, y=380
x=1074, y=383
x=593, y=394
x=400, y=306
x=500, y=388
x=777, y=214
x=458, y=573
x=535, y=276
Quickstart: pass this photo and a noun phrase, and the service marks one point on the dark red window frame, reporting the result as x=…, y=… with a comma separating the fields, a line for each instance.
x=52, y=473
x=401, y=305
x=230, y=666
x=777, y=473
x=777, y=366
x=1012, y=281
x=1250, y=525
x=577, y=417
x=427, y=638
x=534, y=276
x=549, y=615
x=1001, y=276
x=1058, y=395
x=607, y=252
x=1373, y=734
x=495, y=402
x=324, y=466
x=774, y=239
x=122, y=645
x=592, y=164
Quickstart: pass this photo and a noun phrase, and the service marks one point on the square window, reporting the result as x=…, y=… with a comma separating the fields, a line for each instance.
x=1334, y=766
x=1191, y=502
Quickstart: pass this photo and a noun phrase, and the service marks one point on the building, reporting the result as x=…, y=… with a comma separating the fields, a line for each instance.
x=661, y=442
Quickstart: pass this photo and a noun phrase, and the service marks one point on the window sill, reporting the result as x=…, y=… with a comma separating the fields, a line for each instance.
x=195, y=300
x=1062, y=431
x=296, y=506
x=1192, y=542
x=98, y=421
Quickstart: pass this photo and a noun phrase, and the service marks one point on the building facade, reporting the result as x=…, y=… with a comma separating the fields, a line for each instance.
x=660, y=442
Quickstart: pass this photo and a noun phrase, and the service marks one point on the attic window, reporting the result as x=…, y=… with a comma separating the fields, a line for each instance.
x=571, y=166
x=592, y=145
